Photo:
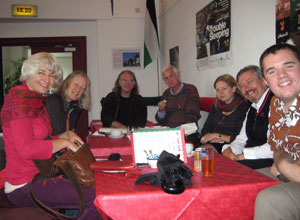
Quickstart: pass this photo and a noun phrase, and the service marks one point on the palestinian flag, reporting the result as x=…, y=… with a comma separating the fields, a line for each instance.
x=151, y=44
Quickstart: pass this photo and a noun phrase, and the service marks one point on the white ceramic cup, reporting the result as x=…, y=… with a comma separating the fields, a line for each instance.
x=152, y=163
x=189, y=148
x=116, y=133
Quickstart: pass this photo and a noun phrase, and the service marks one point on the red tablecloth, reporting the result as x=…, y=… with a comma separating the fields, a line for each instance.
x=104, y=146
x=229, y=194
x=95, y=125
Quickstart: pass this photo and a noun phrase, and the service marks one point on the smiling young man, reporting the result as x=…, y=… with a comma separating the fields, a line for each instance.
x=180, y=102
x=250, y=147
x=281, y=67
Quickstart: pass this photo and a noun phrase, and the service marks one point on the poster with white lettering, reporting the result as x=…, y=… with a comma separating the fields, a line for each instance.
x=282, y=21
x=288, y=22
x=213, y=35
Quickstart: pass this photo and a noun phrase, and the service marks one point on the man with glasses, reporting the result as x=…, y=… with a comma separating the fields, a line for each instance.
x=250, y=147
x=124, y=107
x=180, y=103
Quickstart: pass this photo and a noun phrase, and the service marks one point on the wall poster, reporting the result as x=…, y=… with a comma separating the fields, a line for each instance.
x=288, y=22
x=213, y=35
x=282, y=21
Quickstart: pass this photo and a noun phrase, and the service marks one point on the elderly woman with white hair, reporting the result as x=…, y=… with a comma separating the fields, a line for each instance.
x=27, y=135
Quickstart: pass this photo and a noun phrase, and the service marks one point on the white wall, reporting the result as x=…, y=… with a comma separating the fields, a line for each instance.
x=66, y=9
x=252, y=26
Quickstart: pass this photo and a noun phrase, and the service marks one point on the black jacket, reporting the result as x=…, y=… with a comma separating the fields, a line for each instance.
x=57, y=108
x=257, y=123
x=137, y=110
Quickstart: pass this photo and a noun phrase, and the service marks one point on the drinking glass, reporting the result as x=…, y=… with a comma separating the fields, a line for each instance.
x=207, y=161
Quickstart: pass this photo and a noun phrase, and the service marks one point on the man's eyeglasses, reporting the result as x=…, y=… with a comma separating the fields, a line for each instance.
x=123, y=81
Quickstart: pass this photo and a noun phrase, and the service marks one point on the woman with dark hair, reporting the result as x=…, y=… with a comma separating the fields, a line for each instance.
x=65, y=105
x=124, y=107
x=226, y=117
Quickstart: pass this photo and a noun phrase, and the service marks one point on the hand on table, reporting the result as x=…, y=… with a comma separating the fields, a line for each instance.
x=229, y=154
x=211, y=138
x=241, y=157
x=207, y=138
x=117, y=124
x=216, y=140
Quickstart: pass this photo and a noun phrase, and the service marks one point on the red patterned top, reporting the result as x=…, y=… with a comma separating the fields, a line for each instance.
x=25, y=123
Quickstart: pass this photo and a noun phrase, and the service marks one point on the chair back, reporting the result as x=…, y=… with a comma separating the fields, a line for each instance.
x=207, y=103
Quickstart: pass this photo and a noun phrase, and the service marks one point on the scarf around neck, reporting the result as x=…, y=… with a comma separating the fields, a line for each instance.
x=234, y=104
x=21, y=103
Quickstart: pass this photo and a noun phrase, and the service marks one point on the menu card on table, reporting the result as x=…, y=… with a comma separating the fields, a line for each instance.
x=149, y=142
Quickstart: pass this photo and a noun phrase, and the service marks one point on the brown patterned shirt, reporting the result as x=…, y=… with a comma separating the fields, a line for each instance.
x=284, y=127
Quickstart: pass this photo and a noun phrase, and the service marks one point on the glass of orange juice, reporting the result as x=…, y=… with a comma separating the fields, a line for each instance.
x=207, y=161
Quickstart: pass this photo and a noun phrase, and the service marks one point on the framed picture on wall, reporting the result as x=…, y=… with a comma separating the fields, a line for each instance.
x=126, y=58
x=174, y=56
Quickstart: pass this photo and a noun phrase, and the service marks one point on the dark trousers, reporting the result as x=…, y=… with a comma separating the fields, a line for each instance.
x=257, y=163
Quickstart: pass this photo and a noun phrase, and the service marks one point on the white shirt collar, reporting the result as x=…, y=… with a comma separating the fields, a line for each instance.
x=260, y=102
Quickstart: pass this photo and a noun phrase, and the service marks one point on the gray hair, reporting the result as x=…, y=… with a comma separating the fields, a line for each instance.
x=43, y=59
x=175, y=69
x=254, y=69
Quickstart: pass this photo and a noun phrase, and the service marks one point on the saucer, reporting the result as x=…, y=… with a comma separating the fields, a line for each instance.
x=190, y=154
x=120, y=136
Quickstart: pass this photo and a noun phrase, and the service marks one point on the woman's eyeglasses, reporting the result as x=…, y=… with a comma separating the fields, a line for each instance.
x=123, y=81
